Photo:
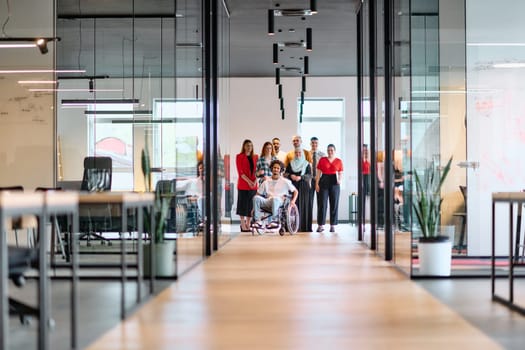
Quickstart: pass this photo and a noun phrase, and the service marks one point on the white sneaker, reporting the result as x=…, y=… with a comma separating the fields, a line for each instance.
x=272, y=225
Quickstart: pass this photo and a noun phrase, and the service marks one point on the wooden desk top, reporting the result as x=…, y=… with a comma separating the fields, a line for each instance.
x=129, y=198
x=21, y=202
x=61, y=200
x=508, y=196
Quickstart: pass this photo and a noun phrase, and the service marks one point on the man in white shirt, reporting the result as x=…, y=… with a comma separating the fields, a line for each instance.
x=271, y=194
x=280, y=154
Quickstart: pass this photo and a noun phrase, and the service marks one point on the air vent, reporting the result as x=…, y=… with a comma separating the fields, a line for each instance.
x=292, y=44
x=189, y=45
x=293, y=13
x=292, y=69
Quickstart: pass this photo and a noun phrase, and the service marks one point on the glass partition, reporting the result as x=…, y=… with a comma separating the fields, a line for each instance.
x=402, y=134
x=380, y=124
x=225, y=186
x=495, y=61
x=27, y=102
x=365, y=131
x=140, y=87
x=424, y=99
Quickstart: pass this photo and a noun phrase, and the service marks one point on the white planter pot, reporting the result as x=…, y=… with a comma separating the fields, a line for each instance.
x=435, y=258
x=164, y=259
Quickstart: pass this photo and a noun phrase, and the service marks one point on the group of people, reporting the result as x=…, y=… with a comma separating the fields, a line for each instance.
x=264, y=180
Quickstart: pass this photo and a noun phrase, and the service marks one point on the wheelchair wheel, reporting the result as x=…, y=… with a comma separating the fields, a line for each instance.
x=292, y=219
x=181, y=218
x=282, y=230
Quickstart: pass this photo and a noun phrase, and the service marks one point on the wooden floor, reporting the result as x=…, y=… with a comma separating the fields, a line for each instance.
x=308, y=291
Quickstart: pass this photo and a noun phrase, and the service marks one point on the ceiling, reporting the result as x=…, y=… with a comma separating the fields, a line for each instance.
x=104, y=39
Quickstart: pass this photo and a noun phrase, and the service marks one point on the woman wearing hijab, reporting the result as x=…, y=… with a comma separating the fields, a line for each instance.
x=299, y=172
x=246, y=161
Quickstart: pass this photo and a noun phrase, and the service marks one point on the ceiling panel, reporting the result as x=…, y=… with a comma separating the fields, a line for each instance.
x=108, y=53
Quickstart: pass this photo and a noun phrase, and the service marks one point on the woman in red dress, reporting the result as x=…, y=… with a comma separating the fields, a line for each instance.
x=246, y=162
x=327, y=185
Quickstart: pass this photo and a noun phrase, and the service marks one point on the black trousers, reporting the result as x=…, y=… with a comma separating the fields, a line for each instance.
x=328, y=194
x=313, y=194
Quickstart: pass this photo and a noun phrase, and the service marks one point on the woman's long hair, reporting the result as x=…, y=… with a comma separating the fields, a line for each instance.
x=244, y=143
x=263, y=153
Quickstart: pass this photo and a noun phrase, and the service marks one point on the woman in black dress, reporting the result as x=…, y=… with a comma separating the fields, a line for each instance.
x=299, y=172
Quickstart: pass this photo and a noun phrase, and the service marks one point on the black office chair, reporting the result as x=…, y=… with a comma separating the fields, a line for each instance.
x=461, y=245
x=58, y=223
x=20, y=260
x=97, y=177
x=97, y=174
x=169, y=187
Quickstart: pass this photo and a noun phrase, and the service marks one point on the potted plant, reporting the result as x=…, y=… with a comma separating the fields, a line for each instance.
x=434, y=249
x=163, y=250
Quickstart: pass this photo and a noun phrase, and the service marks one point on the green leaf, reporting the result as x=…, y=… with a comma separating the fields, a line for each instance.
x=427, y=200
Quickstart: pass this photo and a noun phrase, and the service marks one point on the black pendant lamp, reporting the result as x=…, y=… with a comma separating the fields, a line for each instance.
x=306, y=66
x=271, y=22
x=313, y=6
x=277, y=76
x=275, y=53
x=308, y=39
x=303, y=83
x=280, y=91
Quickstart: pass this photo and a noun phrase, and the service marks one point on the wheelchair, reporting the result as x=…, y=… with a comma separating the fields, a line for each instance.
x=288, y=219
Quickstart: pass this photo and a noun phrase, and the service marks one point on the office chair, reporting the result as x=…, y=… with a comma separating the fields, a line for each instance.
x=463, y=216
x=168, y=187
x=57, y=222
x=20, y=260
x=96, y=219
x=97, y=174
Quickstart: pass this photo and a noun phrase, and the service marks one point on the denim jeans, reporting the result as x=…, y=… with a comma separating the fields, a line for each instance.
x=261, y=204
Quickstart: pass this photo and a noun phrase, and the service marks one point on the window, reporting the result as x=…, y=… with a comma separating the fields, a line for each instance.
x=111, y=134
x=324, y=119
x=177, y=136
x=175, y=129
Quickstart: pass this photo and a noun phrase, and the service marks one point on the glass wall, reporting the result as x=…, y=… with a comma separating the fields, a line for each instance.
x=495, y=81
x=364, y=80
x=27, y=102
x=427, y=125
x=141, y=87
x=402, y=134
x=225, y=186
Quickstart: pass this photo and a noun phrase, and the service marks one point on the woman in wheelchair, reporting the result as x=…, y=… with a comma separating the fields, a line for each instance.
x=270, y=197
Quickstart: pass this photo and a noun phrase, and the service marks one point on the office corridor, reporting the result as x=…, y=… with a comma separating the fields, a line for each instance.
x=308, y=291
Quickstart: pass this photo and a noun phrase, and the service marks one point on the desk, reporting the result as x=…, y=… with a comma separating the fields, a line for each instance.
x=65, y=203
x=512, y=198
x=14, y=204
x=125, y=201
